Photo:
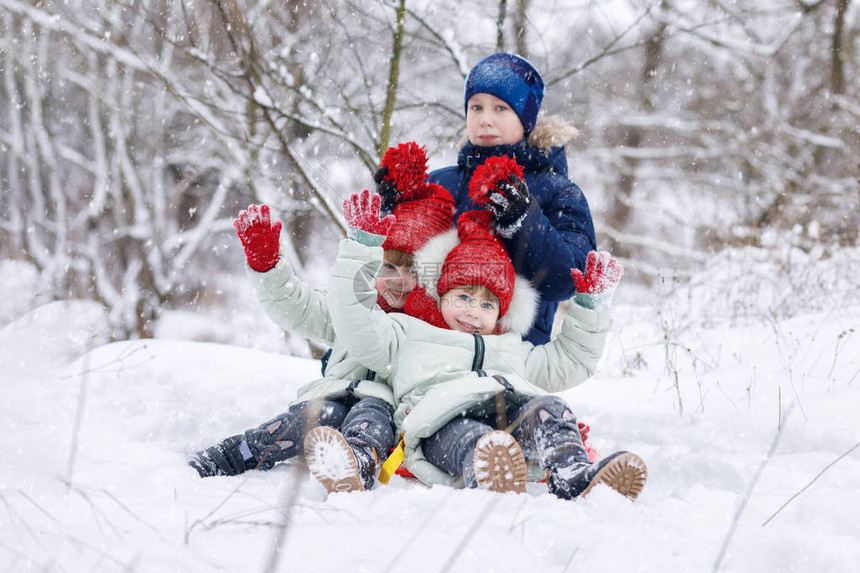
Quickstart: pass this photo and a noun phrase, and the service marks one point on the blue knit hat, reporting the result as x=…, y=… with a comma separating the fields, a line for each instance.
x=511, y=78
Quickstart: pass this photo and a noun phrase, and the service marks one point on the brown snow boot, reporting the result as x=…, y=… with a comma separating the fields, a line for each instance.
x=338, y=464
x=499, y=464
x=624, y=472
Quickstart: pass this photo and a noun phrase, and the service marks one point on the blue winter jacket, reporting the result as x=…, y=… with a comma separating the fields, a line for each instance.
x=557, y=232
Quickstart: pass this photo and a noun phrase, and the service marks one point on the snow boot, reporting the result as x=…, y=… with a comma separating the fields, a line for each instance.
x=555, y=437
x=622, y=471
x=339, y=464
x=229, y=457
x=498, y=463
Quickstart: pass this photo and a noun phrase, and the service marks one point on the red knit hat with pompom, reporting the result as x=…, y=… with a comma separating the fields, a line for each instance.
x=422, y=210
x=479, y=259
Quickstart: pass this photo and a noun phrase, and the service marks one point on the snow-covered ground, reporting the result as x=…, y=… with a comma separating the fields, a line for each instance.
x=747, y=416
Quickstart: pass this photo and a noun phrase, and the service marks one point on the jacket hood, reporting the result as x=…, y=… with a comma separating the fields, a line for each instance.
x=552, y=131
x=524, y=301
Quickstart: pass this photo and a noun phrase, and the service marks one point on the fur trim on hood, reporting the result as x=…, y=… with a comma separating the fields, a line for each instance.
x=550, y=131
x=524, y=301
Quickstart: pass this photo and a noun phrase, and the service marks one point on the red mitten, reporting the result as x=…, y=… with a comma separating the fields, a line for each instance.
x=498, y=186
x=595, y=287
x=361, y=211
x=260, y=238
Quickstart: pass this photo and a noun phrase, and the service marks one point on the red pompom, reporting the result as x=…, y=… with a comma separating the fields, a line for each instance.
x=407, y=168
x=489, y=174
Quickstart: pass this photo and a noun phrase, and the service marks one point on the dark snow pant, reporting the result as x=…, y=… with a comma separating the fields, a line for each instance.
x=368, y=420
x=544, y=427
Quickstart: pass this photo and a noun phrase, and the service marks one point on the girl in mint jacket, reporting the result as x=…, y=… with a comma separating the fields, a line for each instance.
x=471, y=394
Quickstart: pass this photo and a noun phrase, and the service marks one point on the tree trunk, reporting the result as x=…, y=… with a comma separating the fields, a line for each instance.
x=393, y=76
x=838, y=57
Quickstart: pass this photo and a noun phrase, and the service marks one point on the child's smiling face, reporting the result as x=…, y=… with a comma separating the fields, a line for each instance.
x=491, y=121
x=470, y=310
x=394, y=283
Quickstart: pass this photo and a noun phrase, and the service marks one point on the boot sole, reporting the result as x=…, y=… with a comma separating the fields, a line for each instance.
x=626, y=474
x=331, y=461
x=499, y=463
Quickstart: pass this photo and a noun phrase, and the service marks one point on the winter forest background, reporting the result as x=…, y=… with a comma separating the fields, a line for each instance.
x=132, y=132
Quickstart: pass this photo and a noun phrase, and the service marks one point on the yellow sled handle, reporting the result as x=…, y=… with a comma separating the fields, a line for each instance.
x=392, y=463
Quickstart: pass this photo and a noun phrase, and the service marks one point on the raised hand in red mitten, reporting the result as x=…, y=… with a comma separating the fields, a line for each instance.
x=498, y=185
x=260, y=238
x=362, y=213
x=597, y=284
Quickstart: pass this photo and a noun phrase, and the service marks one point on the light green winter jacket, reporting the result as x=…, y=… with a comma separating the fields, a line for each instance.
x=430, y=368
x=303, y=310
